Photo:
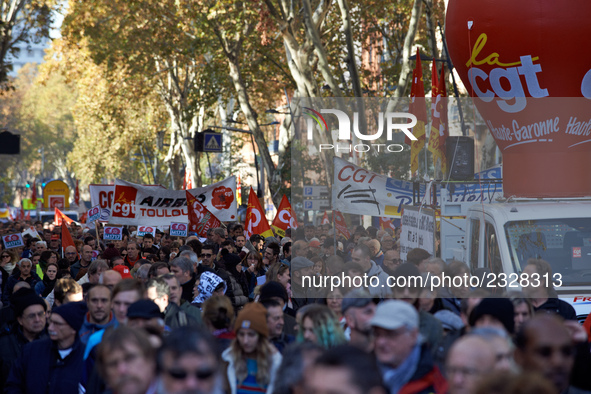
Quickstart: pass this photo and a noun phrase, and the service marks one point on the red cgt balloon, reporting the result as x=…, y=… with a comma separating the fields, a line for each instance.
x=528, y=67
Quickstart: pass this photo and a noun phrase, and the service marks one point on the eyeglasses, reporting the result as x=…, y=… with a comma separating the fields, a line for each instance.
x=5, y=256
x=206, y=255
x=70, y=253
x=181, y=374
x=56, y=323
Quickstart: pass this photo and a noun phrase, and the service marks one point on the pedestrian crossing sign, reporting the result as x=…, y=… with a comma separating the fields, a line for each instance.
x=208, y=142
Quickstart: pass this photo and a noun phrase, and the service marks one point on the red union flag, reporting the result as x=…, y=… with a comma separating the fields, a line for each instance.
x=200, y=219
x=341, y=225
x=59, y=216
x=387, y=223
x=77, y=194
x=256, y=222
x=325, y=218
x=34, y=195
x=285, y=218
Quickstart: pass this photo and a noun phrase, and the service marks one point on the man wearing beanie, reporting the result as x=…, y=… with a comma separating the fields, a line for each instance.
x=52, y=365
x=494, y=312
x=30, y=310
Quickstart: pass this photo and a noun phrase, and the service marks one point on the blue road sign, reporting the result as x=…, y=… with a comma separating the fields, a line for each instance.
x=212, y=142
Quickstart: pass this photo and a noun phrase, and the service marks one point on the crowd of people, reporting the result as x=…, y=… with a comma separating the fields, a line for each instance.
x=233, y=314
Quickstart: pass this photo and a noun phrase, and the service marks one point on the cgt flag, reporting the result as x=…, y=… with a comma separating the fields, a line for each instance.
x=419, y=109
x=340, y=224
x=256, y=222
x=77, y=194
x=34, y=195
x=439, y=128
x=325, y=218
x=67, y=239
x=200, y=219
x=387, y=223
x=285, y=217
x=59, y=216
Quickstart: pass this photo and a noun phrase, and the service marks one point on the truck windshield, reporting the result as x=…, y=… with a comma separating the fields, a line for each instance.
x=564, y=243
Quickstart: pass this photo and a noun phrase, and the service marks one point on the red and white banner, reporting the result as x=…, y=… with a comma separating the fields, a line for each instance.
x=138, y=205
x=200, y=218
x=256, y=222
x=325, y=218
x=285, y=217
x=341, y=224
x=12, y=241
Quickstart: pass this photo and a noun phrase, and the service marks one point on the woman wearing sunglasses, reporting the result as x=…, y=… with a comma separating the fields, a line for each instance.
x=7, y=263
x=252, y=359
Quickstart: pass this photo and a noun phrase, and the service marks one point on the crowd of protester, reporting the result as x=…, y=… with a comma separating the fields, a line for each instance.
x=231, y=314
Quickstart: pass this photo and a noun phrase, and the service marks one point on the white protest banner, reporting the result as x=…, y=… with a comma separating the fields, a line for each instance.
x=418, y=230
x=178, y=229
x=113, y=233
x=32, y=232
x=13, y=240
x=93, y=214
x=360, y=191
x=143, y=230
x=139, y=205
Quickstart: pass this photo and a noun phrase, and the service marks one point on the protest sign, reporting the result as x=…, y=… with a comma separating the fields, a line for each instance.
x=13, y=241
x=139, y=205
x=143, y=230
x=418, y=230
x=113, y=233
x=178, y=229
x=93, y=214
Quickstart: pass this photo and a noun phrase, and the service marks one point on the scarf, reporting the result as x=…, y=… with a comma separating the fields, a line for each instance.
x=396, y=378
x=207, y=284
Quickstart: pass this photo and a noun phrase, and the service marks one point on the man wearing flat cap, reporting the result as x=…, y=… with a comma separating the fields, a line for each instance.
x=301, y=295
x=358, y=308
x=402, y=357
x=30, y=312
x=52, y=365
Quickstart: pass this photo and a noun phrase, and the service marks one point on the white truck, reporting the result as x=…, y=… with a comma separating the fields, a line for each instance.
x=501, y=236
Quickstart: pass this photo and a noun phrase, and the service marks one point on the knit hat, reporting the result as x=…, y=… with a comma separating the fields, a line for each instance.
x=73, y=313
x=499, y=308
x=273, y=289
x=254, y=316
x=24, y=298
x=144, y=309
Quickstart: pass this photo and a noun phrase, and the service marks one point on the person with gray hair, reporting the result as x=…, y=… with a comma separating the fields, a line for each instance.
x=158, y=290
x=191, y=255
x=502, y=345
x=95, y=270
x=143, y=272
x=25, y=273
x=182, y=268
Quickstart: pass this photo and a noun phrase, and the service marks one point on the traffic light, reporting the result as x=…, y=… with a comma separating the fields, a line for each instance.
x=43, y=184
x=27, y=185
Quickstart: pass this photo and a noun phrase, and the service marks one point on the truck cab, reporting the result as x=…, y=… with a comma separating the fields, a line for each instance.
x=500, y=237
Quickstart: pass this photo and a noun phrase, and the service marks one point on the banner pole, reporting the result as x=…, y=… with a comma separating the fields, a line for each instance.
x=335, y=233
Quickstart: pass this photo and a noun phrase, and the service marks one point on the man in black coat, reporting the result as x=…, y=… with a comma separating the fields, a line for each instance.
x=30, y=311
x=52, y=365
